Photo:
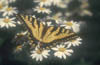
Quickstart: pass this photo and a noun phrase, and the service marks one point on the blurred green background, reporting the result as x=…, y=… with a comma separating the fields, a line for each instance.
x=88, y=53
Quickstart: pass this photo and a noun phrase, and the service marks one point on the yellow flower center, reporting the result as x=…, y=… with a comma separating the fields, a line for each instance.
x=20, y=46
x=62, y=49
x=41, y=8
x=20, y=35
x=9, y=9
x=73, y=40
x=1, y=6
x=43, y=0
x=69, y=23
x=6, y=20
x=38, y=51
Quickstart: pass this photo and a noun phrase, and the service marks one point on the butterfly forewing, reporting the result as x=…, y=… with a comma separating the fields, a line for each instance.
x=46, y=34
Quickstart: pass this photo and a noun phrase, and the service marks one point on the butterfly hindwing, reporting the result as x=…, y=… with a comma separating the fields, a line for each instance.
x=46, y=34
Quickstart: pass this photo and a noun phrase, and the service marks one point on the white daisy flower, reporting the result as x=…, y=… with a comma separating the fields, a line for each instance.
x=3, y=3
x=40, y=54
x=56, y=2
x=61, y=3
x=84, y=4
x=18, y=22
x=68, y=14
x=7, y=22
x=22, y=33
x=43, y=22
x=33, y=16
x=18, y=48
x=10, y=1
x=56, y=17
x=6, y=2
x=8, y=10
x=72, y=25
x=75, y=42
x=84, y=8
x=49, y=23
x=40, y=9
x=85, y=12
x=61, y=51
x=44, y=2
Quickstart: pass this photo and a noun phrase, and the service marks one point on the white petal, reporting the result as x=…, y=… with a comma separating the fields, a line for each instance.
x=45, y=56
x=55, y=49
x=12, y=25
x=13, y=18
x=37, y=57
x=68, y=54
x=7, y=26
x=41, y=58
x=5, y=13
x=70, y=50
x=69, y=45
x=3, y=25
x=33, y=56
x=64, y=56
x=76, y=28
x=58, y=54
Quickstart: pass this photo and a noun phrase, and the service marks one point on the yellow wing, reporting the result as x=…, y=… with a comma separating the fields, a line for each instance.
x=49, y=35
